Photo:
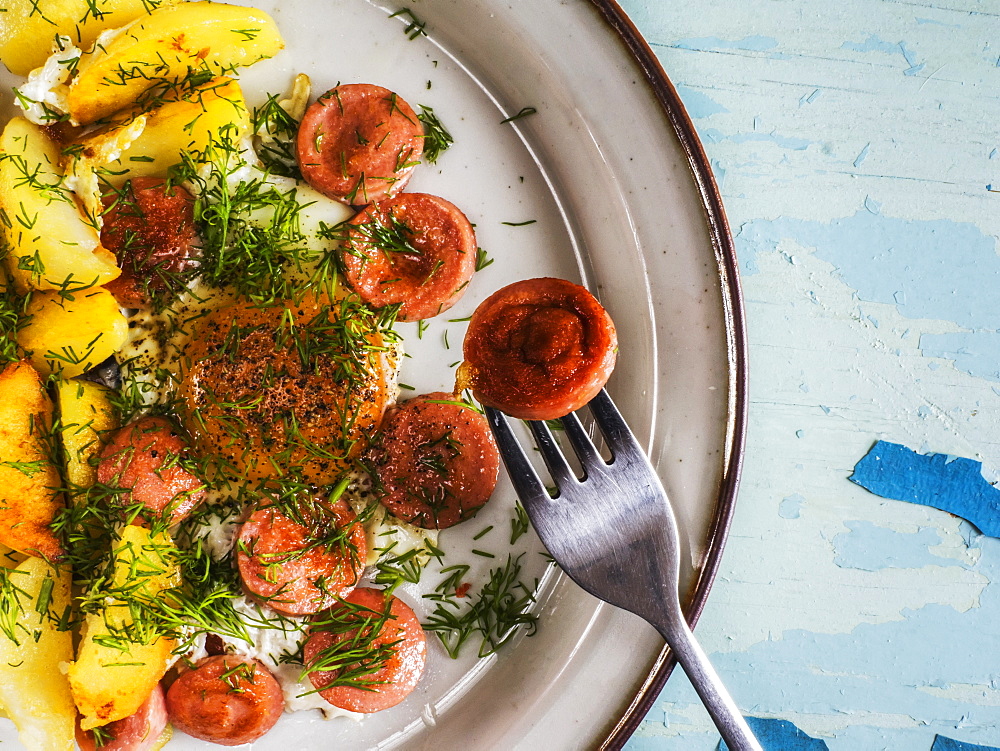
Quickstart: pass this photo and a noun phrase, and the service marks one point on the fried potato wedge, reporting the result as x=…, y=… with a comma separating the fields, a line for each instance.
x=86, y=416
x=120, y=658
x=150, y=143
x=169, y=45
x=34, y=692
x=29, y=26
x=50, y=243
x=29, y=481
x=71, y=336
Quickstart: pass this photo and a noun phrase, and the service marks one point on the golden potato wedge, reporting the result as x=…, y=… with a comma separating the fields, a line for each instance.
x=50, y=244
x=169, y=45
x=186, y=124
x=29, y=26
x=29, y=481
x=34, y=692
x=86, y=416
x=121, y=660
x=70, y=336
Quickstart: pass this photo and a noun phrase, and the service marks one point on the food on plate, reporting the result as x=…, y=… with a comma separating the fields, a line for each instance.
x=414, y=250
x=71, y=333
x=146, y=730
x=150, y=228
x=247, y=499
x=539, y=349
x=28, y=473
x=167, y=47
x=34, y=691
x=302, y=555
x=123, y=654
x=435, y=460
x=225, y=700
x=27, y=31
x=367, y=653
x=359, y=143
x=86, y=417
x=146, y=461
x=273, y=390
x=50, y=243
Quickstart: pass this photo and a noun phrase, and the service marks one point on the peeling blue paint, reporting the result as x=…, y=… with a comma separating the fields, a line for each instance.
x=923, y=21
x=780, y=735
x=811, y=97
x=873, y=43
x=698, y=104
x=952, y=484
x=790, y=506
x=948, y=744
x=974, y=352
x=929, y=269
x=869, y=547
x=863, y=155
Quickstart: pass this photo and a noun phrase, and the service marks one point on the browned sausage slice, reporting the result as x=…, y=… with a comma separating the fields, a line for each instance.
x=145, y=458
x=359, y=143
x=435, y=461
x=539, y=349
x=138, y=732
x=389, y=641
x=151, y=231
x=225, y=700
x=416, y=249
x=301, y=565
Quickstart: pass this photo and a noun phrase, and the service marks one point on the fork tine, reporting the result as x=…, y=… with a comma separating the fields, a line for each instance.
x=523, y=476
x=581, y=442
x=559, y=468
x=613, y=425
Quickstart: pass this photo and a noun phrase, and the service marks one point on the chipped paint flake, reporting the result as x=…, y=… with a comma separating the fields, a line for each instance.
x=952, y=484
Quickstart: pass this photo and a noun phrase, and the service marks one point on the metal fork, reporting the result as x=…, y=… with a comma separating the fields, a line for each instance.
x=613, y=532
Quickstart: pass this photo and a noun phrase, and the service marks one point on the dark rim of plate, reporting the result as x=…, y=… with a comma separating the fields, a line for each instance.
x=665, y=93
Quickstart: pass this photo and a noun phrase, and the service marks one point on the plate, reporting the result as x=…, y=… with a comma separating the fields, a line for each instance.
x=601, y=180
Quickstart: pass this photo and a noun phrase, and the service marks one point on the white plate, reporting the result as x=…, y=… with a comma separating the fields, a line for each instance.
x=610, y=169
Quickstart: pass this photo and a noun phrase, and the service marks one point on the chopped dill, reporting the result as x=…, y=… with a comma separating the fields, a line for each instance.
x=276, y=131
x=414, y=26
x=523, y=112
x=494, y=614
x=437, y=139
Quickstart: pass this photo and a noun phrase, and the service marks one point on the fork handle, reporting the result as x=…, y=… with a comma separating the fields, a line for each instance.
x=720, y=705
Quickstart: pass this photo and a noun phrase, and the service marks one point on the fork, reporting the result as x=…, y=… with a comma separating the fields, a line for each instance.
x=613, y=532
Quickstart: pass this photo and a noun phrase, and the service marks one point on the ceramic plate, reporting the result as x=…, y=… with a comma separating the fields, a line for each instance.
x=605, y=183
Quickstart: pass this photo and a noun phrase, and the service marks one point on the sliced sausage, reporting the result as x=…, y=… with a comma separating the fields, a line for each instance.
x=539, y=349
x=152, y=233
x=226, y=700
x=145, y=459
x=389, y=638
x=416, y=249
x=300, y=560
x=359, y=143
x=138, y=732
x=435, y=461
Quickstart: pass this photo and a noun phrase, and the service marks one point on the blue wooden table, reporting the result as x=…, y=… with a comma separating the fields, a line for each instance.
x=857, y=147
